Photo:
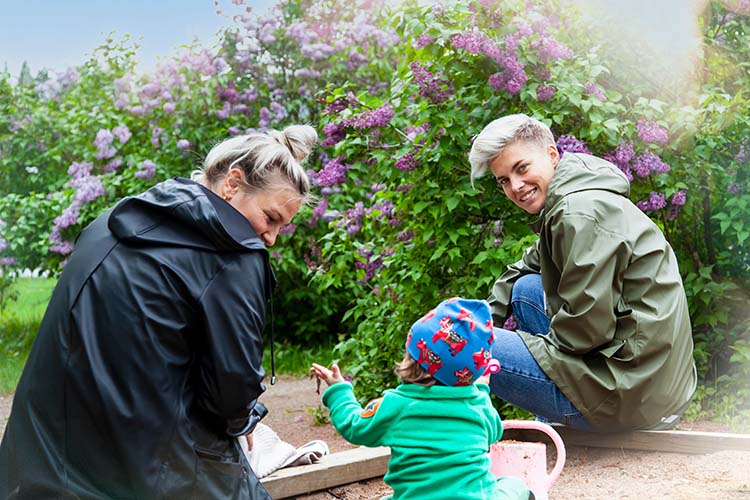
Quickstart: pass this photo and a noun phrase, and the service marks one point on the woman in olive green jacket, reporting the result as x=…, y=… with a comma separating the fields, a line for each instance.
x=604, y=341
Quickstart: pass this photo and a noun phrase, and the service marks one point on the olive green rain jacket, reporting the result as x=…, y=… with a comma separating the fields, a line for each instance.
x=620, y=344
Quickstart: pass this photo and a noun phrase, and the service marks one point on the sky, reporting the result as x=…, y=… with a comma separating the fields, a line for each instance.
x=59, y=33
x=55, y=34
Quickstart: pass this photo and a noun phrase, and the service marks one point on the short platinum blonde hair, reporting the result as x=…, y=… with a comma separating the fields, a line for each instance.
x=265, y=158
x=501, y=133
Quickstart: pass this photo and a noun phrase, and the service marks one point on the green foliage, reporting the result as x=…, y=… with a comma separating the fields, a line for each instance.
x=295, y=360
x=319, y=416
x=19, y=322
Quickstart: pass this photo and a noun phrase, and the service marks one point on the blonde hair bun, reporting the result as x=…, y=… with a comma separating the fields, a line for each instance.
x=298, y=139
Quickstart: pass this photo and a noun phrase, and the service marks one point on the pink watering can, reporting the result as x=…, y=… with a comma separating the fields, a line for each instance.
x=526, y=460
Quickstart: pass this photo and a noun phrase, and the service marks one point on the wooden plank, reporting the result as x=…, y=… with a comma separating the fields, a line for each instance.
x=335, y=469
x=363, y=463
x=665, y=441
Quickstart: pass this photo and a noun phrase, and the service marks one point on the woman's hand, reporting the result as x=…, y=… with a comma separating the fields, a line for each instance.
x=330, y=377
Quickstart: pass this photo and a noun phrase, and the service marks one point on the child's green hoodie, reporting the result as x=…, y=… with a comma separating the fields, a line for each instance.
x=439, y=438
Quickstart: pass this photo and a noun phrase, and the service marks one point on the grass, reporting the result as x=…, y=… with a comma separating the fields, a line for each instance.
x=20, y=321
x=18, y=325
x=295, y=360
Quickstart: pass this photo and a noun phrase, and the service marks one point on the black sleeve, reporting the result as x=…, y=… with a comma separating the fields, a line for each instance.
x=229, y=371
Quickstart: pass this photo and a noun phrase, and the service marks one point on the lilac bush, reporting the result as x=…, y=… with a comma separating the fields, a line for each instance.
x=396, y=93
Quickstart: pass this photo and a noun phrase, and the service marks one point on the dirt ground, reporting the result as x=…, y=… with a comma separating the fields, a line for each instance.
x=589, y=473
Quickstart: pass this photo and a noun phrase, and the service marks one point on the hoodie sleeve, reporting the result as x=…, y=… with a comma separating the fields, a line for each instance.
x=499, y=299
x=363, y=426
x=229, y=367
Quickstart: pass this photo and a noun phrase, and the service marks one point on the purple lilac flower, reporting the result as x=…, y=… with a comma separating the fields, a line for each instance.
x=155, y=134
x=318, y=211
x=545, y=92
x=335, y=107
x=228, y=93
x=412, y=132
x=79, y=170
x=122, y=133
x=593, y=89
x=510, y=323
x=472, y=43
x=103, y=143
x=183, y=144
x=652, y=132
x=430, y=86
x=568, y=143
x=334, y=132
x=743, y=154
x=112, y=165
x=352, y=218
x=123, y=101
x=169, y=107
x=548, y=49
x=656, y=201
x=623, y=154
x=379, y=117
x=223, y=113
x=288, y=229
x=407, y=162
x=648, y=163
x=264, y=118
x=88, y=189
x=3, y=244
x=150, y=90
x=423, y=41
x=734, y=188
x=279, y=111
x=147, y=171
x=679, y=198
x=369, y=264
x=676, y=203
x=405, y=236
x=384, y=208
x=333, y=173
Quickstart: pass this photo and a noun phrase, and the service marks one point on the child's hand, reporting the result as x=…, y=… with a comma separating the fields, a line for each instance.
x=332, y=376
x=484, y=379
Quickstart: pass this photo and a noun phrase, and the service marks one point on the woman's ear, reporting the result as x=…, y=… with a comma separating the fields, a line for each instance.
x=232, y=183
x=554, y=155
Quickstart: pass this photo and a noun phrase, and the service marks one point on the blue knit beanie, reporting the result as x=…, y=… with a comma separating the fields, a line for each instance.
x=453, y=341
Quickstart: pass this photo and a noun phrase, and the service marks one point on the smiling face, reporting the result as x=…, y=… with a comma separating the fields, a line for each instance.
x=267, y=211
x=524, y=171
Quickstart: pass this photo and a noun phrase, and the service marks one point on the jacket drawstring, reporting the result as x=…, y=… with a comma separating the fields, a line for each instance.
x=270, y=278
x=273, y=351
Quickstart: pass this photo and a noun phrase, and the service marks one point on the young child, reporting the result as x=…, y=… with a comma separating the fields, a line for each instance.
x=439, y=423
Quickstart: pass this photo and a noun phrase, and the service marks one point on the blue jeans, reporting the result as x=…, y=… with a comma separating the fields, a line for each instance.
x=520, y=380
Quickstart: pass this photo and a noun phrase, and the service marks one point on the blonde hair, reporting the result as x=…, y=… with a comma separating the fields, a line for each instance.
x=411, y=372
x=264, y=158
x=501, y=133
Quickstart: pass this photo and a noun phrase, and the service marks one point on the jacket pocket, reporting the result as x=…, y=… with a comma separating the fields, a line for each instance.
x=213, y=462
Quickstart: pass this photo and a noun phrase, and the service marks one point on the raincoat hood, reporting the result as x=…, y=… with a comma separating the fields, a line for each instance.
x=176, y=214
x=589, y=173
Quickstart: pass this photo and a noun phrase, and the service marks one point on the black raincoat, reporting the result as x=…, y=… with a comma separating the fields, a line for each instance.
x=147, y=364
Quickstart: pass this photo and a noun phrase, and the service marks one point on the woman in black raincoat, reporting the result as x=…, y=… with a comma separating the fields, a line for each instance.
x=147, y=365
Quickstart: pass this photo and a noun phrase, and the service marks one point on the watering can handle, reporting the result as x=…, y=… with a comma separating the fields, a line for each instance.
x=554, y=436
